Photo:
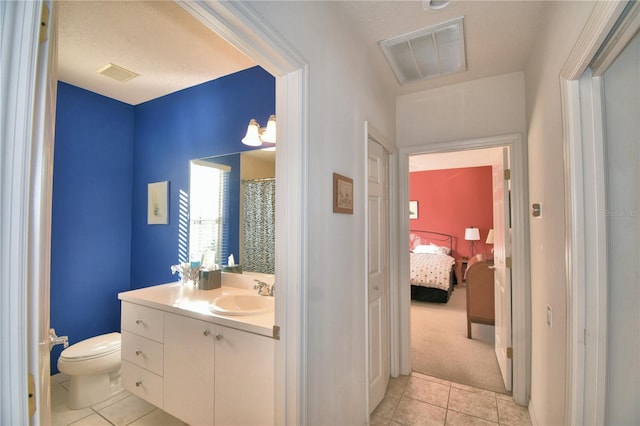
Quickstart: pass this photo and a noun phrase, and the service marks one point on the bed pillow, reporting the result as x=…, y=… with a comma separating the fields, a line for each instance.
x=430, y=249
x=442, y=249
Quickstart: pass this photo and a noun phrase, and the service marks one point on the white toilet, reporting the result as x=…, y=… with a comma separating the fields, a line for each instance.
x=94, y=368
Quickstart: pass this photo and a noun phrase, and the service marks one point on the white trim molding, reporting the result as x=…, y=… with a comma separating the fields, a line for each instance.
x=521, y=281
x=240, y=25
x=586, y=257
x=23, y=178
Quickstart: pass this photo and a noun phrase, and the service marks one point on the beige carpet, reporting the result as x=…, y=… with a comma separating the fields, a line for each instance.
x=440, y=348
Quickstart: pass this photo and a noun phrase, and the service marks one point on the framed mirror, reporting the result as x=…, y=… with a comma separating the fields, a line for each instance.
x=232, y=210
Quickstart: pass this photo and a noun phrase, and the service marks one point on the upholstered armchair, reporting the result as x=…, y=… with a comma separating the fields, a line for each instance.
x=480, y=294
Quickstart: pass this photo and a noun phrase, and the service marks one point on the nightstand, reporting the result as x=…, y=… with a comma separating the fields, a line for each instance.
x=461, y=266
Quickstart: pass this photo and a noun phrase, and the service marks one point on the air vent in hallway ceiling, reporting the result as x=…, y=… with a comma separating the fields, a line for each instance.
x=117, y=73
x=430, y=52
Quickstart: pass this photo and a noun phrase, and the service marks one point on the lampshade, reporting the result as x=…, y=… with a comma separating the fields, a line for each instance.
x=490, y=237
x=256, y=136
x=269, y=134
x=472, y=234
x=252, y=138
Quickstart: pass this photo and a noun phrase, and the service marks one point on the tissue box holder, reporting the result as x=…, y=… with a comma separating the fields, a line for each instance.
x=210, y=280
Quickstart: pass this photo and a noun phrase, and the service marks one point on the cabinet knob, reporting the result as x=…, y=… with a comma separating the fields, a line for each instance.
x=219, y=336
x=138, y=352
x=138, y=321
x=206, y=332
x=138, y=383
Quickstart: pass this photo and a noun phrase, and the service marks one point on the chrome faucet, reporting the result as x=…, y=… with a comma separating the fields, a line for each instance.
x=264, y=289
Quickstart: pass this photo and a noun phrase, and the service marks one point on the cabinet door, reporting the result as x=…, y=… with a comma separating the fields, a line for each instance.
x=244, y=378
x=189, y=371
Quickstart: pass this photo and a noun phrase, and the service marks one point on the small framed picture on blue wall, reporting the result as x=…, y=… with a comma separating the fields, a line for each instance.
x=158, y=203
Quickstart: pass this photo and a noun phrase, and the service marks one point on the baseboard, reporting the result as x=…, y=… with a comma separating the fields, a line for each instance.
x=532, y=413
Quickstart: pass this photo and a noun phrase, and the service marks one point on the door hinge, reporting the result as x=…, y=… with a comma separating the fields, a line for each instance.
x=510, y=353
x=44, y=24
x=31, y=389
x=507, y=262
x=507, y=174
x=276, y=332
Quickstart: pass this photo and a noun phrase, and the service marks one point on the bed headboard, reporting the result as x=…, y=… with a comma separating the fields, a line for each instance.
x=419, y=237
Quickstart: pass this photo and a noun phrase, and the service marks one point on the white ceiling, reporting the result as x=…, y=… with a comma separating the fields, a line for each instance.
x=156, y=39
x=172, y=51
x=454, y=160
x=498, y=34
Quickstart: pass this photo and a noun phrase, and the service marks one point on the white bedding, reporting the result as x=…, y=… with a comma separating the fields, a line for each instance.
x=431, y=270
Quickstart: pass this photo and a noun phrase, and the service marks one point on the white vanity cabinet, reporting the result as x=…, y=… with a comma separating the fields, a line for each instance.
x=189, y=374
x=199, y=371
x=142, y=352
x=244, y=372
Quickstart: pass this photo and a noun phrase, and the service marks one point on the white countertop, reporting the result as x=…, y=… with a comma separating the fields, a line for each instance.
x=191, y=302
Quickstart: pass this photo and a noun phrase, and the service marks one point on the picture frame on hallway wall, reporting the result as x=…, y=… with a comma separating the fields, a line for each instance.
x=158, y=203
x=413, y=209
x=342, y=194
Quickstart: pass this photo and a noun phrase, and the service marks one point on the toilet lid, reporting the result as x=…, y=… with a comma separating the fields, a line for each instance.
x=94, y=347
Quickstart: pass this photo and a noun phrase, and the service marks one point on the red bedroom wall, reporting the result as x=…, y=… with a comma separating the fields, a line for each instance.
x=454, y=199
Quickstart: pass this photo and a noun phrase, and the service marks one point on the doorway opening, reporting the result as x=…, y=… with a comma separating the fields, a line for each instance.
x=452, y=221
x=251, y=34
x=519, y=297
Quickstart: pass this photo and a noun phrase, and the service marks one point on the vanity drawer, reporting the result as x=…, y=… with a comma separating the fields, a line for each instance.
x=143, y=352
x=143, y=383
x=143, y=321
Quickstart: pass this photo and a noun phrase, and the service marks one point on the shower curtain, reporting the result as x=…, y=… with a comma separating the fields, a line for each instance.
x=259, y=225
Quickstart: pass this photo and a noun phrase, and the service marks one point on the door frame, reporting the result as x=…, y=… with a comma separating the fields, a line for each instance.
x=520, y=281
x=243, y=27
x=26, y=140
x=370, y=132
x=585, y=225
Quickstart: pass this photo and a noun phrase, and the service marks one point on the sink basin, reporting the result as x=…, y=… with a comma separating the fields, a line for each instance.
x=242, y=304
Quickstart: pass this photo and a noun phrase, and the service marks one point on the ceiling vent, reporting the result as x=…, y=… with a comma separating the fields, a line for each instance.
x=117, y=73
x=427, y=53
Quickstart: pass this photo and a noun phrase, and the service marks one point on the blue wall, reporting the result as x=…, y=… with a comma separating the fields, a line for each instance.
x=106, y=152
x=209, y=119
x=91, y=217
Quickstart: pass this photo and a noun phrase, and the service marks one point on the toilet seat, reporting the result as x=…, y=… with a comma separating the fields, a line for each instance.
x=95, y=347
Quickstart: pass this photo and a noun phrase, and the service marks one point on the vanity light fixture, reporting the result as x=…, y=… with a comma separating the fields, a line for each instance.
x=256, y=136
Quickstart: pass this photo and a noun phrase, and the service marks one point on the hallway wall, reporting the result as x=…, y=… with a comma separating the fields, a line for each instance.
x=475, y=109
x=344, y=92
x=562, y=26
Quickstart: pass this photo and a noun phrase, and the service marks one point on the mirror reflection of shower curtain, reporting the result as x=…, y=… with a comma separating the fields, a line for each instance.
x=259, y=225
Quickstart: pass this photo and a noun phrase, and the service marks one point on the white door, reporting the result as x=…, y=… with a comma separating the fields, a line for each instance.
x=378, y=273
x=502, y=251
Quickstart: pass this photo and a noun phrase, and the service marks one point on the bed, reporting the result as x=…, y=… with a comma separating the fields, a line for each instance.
x=431, y=272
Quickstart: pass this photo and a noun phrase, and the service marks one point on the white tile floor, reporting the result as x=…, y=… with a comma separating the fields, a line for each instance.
x=425, y=400
x=410, y=400
x=121, y=410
